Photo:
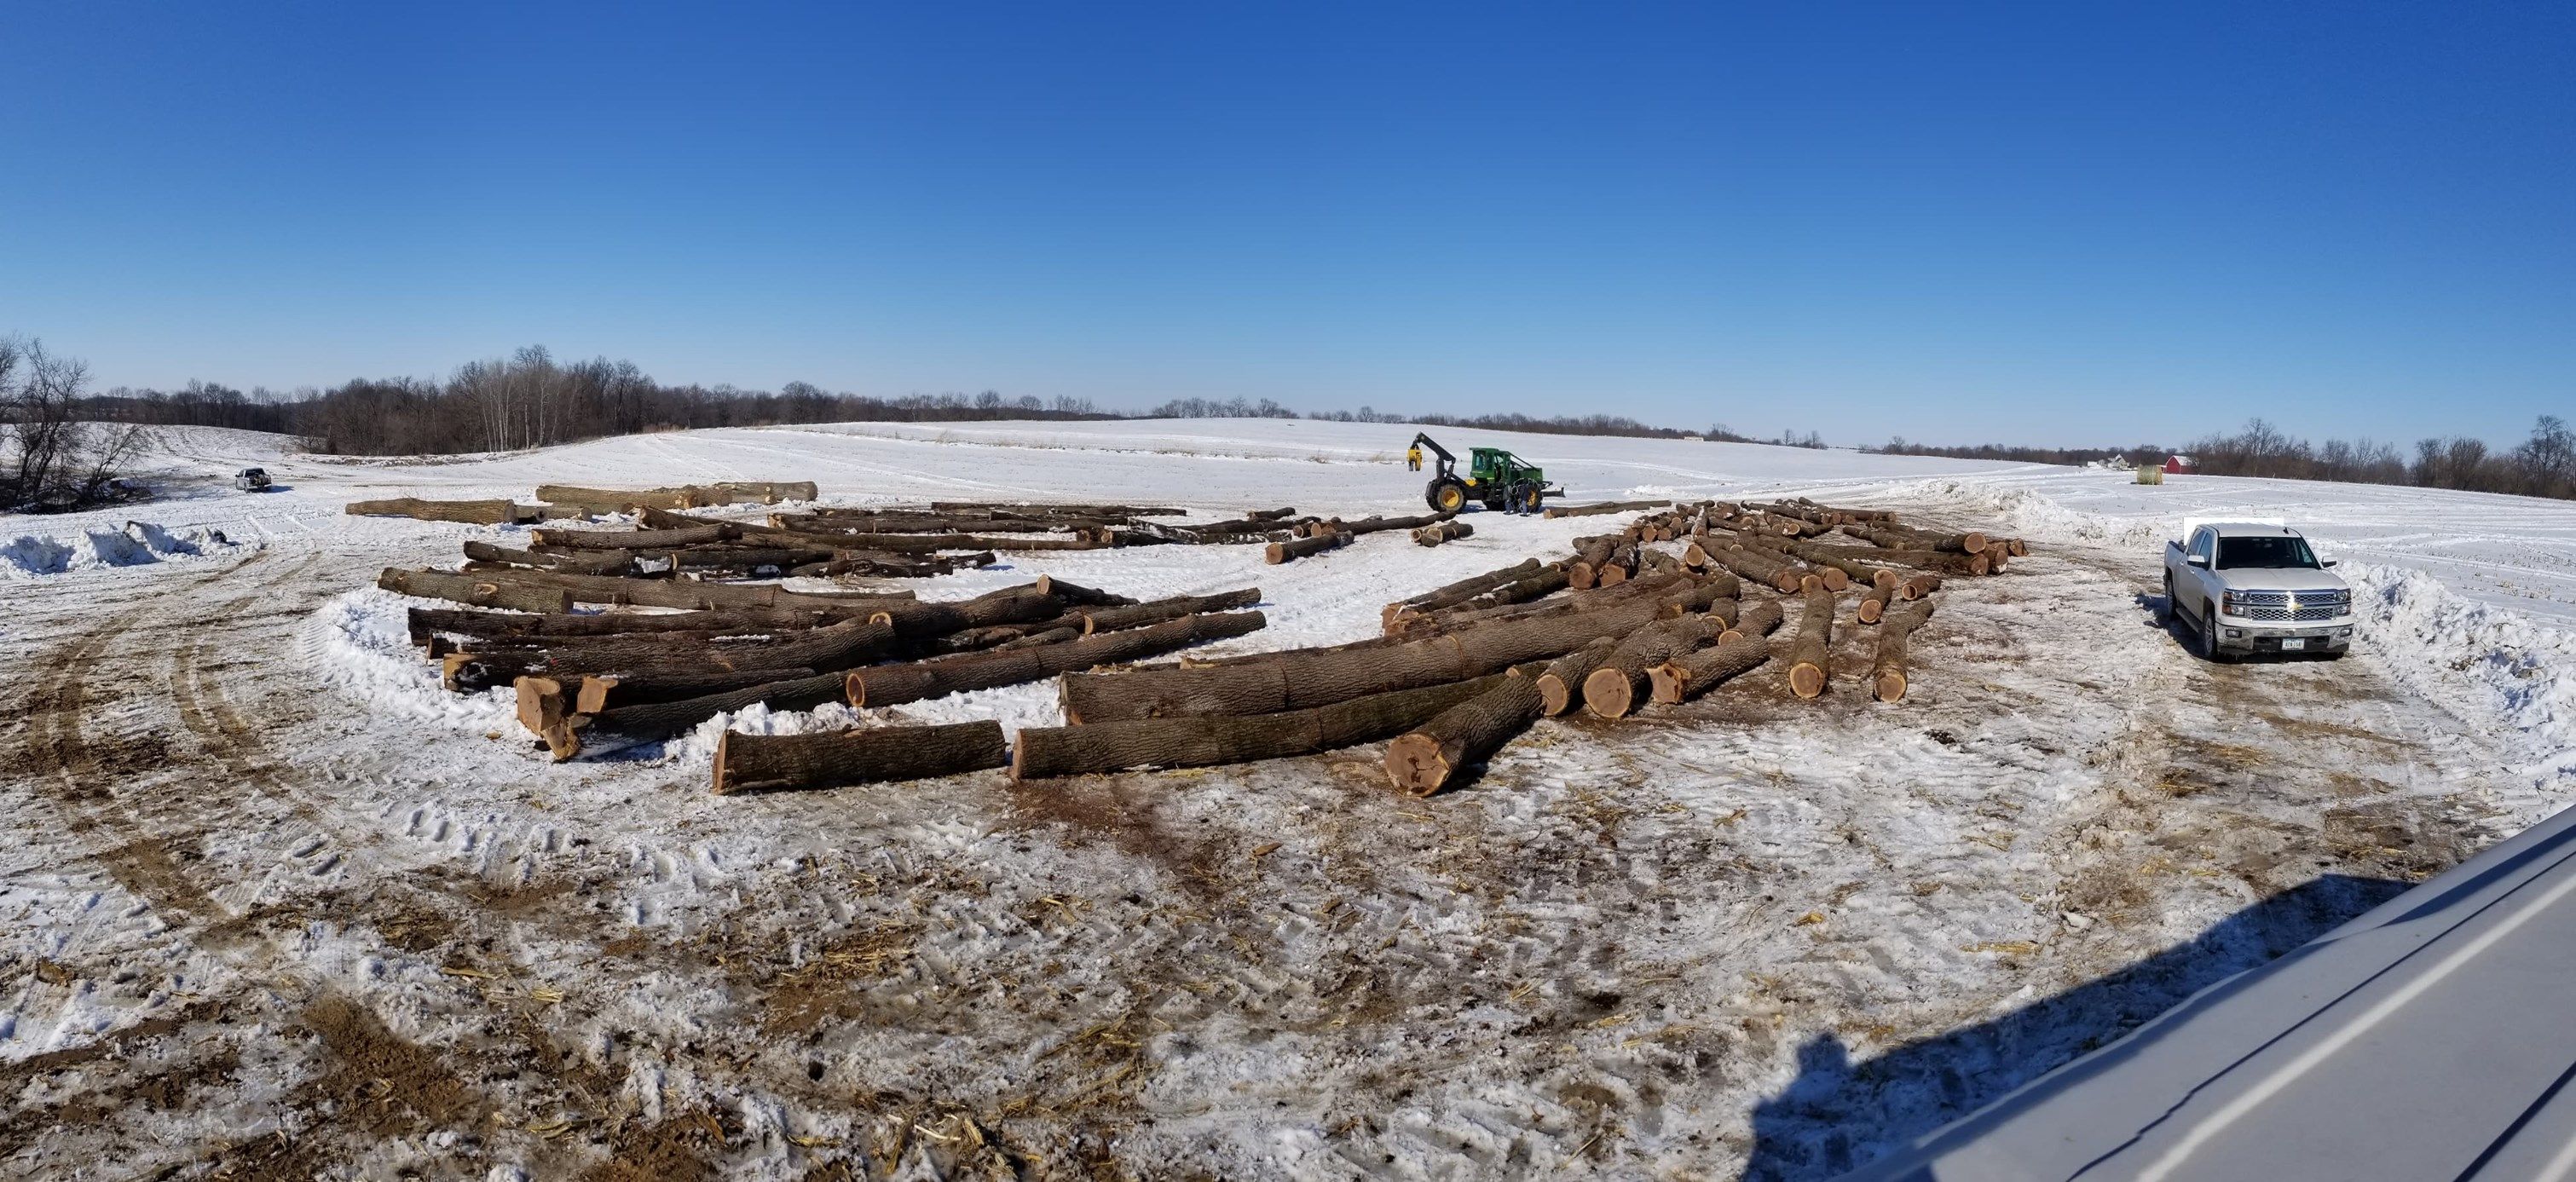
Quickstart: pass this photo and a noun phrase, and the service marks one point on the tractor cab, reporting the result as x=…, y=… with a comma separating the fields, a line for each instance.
x=1494, y=476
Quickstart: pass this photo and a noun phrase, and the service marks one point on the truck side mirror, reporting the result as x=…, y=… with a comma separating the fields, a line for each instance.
x=2330, y=562
x=2195, y=560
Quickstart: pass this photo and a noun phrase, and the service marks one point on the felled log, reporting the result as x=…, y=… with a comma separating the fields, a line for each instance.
x=1590, y=555
x=888, y=685
x=596, y=692
x=1604, y=507
x=1458, y=592
x=636, y=539
x=1918, y=586
x=1295, y=681
x=478, y=590
x=891, y=566
x=686, y=593
x=1873, y=604
x=1010, y=605
x=840, y=646
x=615, y=500
x=1560, y=683
x=1075, y=510
x=1726, y=611
x=469, y=512
x=1907, y=539
x=1049, y=636
x=1887, y=668
x=1761, y=566
x=1207, y=741
x=1691, y=674
x=870, y=755
x=1759, y=619
x=1445, y=531
x=845, y=521
x=1431, y=756
x=1811, y=652
x=606, y=562
x=1619, y=685
x=426, y=621
x=541, y=703
x=648, y=722
x=1137, y=615
x=1271, y=514
x=1296, y=548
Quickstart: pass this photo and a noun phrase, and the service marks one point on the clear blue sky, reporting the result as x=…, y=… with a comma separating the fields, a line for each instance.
x=2059, y=223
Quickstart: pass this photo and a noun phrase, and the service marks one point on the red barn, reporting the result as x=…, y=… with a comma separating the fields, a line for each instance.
x=2178, y=465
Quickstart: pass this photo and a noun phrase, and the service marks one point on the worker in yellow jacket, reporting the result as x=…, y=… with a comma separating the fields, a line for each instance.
x=1413, y=457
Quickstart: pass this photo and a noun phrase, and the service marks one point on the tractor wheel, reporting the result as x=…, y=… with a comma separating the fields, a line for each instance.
x=1527, y=498
x=1448, y=494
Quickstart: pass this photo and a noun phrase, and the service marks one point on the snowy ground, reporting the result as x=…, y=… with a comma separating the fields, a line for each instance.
x=275, y=906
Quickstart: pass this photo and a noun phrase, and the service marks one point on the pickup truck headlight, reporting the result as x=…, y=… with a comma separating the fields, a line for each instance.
x=2231, y=603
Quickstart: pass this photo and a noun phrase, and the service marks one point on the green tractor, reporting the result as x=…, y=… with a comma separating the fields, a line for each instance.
x=1496, y=477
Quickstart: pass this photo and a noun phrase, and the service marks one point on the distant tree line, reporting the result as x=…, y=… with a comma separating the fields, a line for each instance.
x=2143, y=453
x=2543, y=465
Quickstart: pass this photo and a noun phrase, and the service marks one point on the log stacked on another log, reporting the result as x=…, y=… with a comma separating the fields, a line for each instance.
x=1296, y=548
x=1603, y=507
x=1444, y=531
x=1695, y=673
x=1887, y=674
x=1759, y=619
x=1619, y=684
x=468, y=512
x=1217, y=739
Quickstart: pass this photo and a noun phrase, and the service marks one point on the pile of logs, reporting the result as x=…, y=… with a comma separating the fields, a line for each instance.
x=563, y=501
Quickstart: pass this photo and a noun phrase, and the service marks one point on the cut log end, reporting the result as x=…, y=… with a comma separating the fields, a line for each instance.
x=1554, y=696
x=1891, y=685
x=1806, y=680
x=1670, y=683
x=1871, y=609
x=1609, y=693
x=541, y=703
x=593, y=696
x=1417, y=764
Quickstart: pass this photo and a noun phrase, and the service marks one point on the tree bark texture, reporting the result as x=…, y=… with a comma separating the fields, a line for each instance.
x=1207, y=741
x=1887, y=668
x=871, y=755
x=1445, y=531
x=1458, y=592
x=1619, y=685
x=1692, y=674
x=1761, y=618
x=480, y=591
x=1296, y=548
x=887, y=685
x=1811, y=651
x=469, y=512
x=1604, y=507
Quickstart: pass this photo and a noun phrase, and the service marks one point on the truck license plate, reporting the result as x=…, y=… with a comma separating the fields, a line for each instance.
x=2293, y=644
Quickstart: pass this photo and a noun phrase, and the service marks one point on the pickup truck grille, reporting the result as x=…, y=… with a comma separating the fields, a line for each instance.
x=2275, y=605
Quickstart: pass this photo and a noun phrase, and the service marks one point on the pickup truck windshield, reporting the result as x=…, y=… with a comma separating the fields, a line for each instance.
x=2265, y=554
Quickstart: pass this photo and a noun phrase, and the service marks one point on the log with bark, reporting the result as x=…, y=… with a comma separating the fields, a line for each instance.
x=649, y=722
x=1590, y=555
x=1069, y=510
x=1873, y=604
x=840, y=646
x=1445, y=531
x=1907, y=539
x=1619, y=685
x=686, y=593
x=1919, y=586
x=1207, y=741
x=1009, y=605
x=1294, y=680
x=871, y=755
x=480, y=590
x=1432, y=756
x=1692, y=674
x=636, y=539
x=1113, y=618
x=469, y=512
x=603, y=562
x=1296, y=548
x=426, y=622
x=1761, y=566
x=1560, y=682
x=1811, y=651
x=1604, y=507
x=1456, y=593
x=614, y=500
x=1887, y=668
x=1370, y=525
x=888, y=685
x=596, y=692
x=1759, y=619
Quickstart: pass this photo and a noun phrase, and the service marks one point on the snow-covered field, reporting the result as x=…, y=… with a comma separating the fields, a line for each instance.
x=276, y=905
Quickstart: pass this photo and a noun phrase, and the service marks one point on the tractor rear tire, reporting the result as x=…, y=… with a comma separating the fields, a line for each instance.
x=1448, y=494
x=1526, y=498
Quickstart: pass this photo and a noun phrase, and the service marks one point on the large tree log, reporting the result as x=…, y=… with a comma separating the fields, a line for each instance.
x=1560, y=683
x=1297, y=548
x=1137, y=615
x=1811, y=651
x=615, y=500
x=1873, y=604
x=686, y=593
x=1207, y=741
x=598, y=692
x=426, y=622
x=874, y=755
x=1458, y=592
x=1761, y=566
x=1919, y=586
x=1887, y=668
x=1077, y=593
x=1444, y=531
x=1620, y=684
x=635, y=539
x=1692, y=674
x=1010, y=605
x=1074, y=510
x=650, y=722
x=1908, y=539
x=1590, y=555
x=1295, y=680
x=610, y=562
x=1725, y=611
x=1759, y=619
x=1604, y=507
x=478, y=590
x=469, y=512
x=1431, y=756
x=888, y=685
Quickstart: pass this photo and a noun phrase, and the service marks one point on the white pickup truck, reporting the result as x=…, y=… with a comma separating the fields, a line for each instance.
x=2248, y=587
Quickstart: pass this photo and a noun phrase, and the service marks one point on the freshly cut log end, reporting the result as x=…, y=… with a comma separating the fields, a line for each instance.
x=1806, y=680
x=1610, y=693
x=1890, y=685
x=1296, y=548
x=1691, y=674
x=541, y=703
x=769, y=763
x=1422, y=764
x=1870, y=609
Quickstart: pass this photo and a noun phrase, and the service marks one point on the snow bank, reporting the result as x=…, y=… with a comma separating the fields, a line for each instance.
x=360, y=644
x=2495, y=669
x=2035, y=515
x=139, y=543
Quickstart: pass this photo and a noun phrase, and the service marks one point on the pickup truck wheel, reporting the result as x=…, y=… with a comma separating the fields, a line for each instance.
x=2209, y=649
x=2165, y=613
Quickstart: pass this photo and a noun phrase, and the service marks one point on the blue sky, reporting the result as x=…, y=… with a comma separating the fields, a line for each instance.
x=2042, y=223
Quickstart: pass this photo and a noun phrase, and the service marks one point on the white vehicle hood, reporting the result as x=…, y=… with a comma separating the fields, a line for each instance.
x=2293, y=579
